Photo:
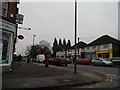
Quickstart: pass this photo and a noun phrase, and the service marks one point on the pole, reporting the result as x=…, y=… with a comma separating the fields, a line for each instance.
x=75, y=66
x=78, y=48
x=24, y=28
x=33, y=39
x=33, y=47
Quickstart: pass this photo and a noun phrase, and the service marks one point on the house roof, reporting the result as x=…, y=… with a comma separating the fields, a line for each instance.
x=81, y=44
x=106, y=39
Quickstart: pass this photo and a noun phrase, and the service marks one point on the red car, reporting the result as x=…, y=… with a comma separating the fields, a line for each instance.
x=60, y=61
x=83, y=61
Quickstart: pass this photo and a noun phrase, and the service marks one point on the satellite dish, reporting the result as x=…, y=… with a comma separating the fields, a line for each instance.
x=20, y=37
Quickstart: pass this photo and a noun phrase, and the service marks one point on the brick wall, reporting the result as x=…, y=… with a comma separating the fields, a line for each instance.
x=12, y=11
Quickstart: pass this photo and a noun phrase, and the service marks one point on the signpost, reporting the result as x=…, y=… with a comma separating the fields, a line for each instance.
x=19, y=18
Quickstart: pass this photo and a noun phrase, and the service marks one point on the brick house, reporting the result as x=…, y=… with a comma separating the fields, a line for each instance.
x=8, y=30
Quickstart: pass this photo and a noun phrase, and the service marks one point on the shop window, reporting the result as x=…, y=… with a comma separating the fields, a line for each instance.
x=5, y=45
x=3, y=51
x=100, y=55
x=5, y=40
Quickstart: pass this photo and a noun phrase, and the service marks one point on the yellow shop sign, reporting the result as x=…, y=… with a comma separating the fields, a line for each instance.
x=103, y=51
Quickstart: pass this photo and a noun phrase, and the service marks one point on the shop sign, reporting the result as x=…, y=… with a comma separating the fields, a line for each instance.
x=103, y=51
x=19, y=18
x=20, y=37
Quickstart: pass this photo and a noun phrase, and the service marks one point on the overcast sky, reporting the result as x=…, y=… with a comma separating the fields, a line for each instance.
x=56, y=19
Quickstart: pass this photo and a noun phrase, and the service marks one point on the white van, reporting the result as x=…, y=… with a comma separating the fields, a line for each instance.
x=40, y=58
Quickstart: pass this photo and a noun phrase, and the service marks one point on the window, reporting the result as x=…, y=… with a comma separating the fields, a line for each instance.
x=98, y=47
x=4, y=47
x=3, y=8
x=93, y=47
x=87, y=48
x=105, y=46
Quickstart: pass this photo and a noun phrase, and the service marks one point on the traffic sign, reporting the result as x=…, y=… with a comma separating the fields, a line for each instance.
x=20, y=37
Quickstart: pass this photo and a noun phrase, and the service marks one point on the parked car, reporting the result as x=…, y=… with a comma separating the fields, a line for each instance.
x=69, y=61
x=116, y=60
x=101, y=61
x=83, y=61
x=51, y=61
x=60, y=62
x=40, y=58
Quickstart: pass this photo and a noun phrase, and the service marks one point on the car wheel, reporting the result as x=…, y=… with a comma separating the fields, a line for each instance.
x=66, y=65
x=117, y=63
x=93, y=64
x=104, y=64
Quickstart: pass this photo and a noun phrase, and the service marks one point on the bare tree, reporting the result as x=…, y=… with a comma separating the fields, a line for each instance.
x=45, y=46
x=42, y=48
x=28, y=50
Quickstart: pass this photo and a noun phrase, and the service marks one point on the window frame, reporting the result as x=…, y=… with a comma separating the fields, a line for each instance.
x=3, y=7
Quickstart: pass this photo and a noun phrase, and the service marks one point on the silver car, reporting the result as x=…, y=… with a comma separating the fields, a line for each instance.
x=101, y=61
x=116, y=60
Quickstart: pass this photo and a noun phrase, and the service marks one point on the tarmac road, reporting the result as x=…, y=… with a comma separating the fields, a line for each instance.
x=112, y=73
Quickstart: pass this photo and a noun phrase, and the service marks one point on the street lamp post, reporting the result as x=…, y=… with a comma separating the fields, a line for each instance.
x=33, y=47
x=75, y=66
x=78, y=48
x=33, y=39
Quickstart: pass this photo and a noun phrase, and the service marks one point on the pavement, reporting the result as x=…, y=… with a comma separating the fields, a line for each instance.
x=37, y=76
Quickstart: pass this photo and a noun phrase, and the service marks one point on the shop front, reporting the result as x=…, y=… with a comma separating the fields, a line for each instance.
x=7, y=37
x=90, y=55
x=104, y=53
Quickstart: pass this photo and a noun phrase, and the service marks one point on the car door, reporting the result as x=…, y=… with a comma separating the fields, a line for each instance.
x=95, y=61
x=98, y=61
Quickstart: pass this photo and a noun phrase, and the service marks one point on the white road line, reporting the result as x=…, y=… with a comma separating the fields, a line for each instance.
x=113, y=75
x=26, y=84
x=110, y=80
x=96, y=84
x=89, y=87
x=106, y=80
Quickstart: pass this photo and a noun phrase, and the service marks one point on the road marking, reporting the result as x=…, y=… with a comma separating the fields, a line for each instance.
x=113, y=75
x=26, y=84
x=89, y=87
x=91, y=75
x=66, y=80
x=106, y=80
x=110, y=80
x=96, y=84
